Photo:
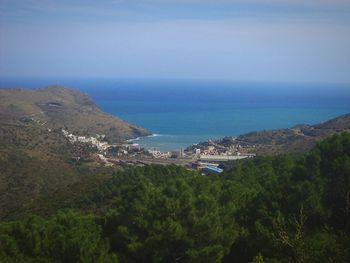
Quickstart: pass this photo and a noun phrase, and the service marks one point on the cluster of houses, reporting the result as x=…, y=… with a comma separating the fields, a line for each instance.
x=102, y=146
x=212, y=151
x=164, y=155
x=159, y=154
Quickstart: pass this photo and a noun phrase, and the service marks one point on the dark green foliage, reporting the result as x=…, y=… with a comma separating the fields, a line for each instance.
x=67, y=237
x=168, y=214
x=298, y=208
x=268, y=209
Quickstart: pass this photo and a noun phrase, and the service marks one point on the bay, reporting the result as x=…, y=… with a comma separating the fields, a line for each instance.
x=184, y=112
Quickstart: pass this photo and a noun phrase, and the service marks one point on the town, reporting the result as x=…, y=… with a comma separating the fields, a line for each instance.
x=205, y=157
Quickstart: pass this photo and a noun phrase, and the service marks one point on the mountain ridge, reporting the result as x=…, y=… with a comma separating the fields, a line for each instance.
x=58, y=107
x=36, y=159
x=297, y=139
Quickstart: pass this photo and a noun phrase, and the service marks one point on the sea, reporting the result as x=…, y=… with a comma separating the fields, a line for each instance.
x=179, y=113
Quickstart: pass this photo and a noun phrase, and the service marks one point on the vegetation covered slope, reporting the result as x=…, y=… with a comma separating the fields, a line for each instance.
x=268, y=209
x=35, y=158
x=297, y=139
x=35, y=163
x=57, y=107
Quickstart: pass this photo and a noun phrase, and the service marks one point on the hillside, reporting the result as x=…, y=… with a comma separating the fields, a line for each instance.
x=297, y=139
x=35, y=163
x=36, y=159
x=57, y=107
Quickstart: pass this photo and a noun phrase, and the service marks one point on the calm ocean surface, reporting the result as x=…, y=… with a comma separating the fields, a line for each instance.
x=183, y=112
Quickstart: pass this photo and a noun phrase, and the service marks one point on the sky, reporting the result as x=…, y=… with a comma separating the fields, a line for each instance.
x=255, y=40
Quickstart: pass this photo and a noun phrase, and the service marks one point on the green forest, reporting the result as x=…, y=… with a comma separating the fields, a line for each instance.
x=284, y=208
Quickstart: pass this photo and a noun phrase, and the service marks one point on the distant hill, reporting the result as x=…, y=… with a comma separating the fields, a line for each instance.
x=297, y=139
x=57, y=107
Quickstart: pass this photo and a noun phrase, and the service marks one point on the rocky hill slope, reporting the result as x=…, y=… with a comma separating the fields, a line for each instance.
x=57, y=107
x=36, y=159
x=297, y=139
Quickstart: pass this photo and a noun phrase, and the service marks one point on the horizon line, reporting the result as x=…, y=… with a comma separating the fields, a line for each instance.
x=139, y=78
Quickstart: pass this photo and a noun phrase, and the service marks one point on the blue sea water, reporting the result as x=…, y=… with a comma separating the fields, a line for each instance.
x=183, y=112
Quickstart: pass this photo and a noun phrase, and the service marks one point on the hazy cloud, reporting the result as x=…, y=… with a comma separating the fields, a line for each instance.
x=284, y=40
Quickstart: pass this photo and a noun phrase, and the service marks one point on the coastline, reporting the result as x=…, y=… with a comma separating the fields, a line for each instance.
x=140, y=137
x=171, y=142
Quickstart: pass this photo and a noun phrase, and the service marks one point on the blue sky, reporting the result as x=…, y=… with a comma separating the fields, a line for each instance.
x=256, y=40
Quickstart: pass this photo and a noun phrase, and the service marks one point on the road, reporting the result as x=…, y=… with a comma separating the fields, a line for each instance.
x=177, y=161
